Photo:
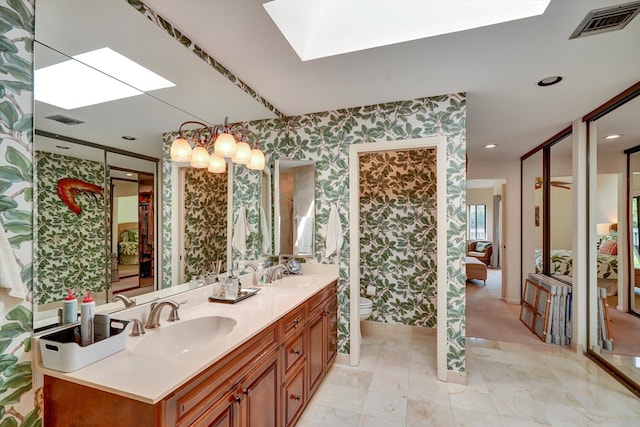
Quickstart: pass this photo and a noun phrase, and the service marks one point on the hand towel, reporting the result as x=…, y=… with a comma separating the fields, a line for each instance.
x=333, y=233
x=240, y=232
x=12, y=292
x=304, y=235
x=265, y=233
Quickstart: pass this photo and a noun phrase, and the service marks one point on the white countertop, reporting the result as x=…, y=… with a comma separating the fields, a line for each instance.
x=150, y=378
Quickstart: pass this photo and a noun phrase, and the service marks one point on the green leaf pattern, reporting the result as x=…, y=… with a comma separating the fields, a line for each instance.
x=205, y=220
x=70, y=249
x=16, y=209
x=398, y=226
x=325, y=138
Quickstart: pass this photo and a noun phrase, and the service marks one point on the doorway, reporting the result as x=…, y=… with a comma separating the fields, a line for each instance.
x=355, y=150
x=132, y=232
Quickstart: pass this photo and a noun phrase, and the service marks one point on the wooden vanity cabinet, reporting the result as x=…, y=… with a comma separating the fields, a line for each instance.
x=322, y=336
x=265, y=382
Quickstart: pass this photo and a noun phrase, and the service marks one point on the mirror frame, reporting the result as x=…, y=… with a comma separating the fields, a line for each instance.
x=589, y=119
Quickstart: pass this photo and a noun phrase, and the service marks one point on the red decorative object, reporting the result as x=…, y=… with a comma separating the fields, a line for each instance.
x=67, y=189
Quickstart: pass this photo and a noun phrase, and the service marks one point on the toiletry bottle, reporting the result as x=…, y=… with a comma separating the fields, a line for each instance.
x=101, y=326
x=260, y=273
x=87, y=311
x=69, y=309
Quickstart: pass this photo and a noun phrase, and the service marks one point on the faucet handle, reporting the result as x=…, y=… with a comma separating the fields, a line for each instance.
x=137, y=328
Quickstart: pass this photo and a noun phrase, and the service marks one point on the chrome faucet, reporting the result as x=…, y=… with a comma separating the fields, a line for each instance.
x=253, y=267
x=128, y=302
x=154, y=314
x=276, y=272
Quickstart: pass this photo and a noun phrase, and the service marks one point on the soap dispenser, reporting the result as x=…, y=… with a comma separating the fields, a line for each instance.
x=69, y=309
x=87, y=311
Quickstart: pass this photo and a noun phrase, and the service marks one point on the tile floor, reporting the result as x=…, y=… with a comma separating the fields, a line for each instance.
x=508, y=385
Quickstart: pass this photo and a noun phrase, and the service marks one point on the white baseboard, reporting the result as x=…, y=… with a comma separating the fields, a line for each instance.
x=512, y=301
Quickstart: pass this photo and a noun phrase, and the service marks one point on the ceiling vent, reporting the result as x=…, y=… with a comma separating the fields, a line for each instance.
x=69, y=121
x=606, y=19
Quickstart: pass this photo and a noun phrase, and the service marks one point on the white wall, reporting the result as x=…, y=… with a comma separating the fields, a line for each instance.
x=510, y=172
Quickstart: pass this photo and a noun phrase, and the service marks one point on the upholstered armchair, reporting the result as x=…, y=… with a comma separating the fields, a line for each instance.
x=480, y=249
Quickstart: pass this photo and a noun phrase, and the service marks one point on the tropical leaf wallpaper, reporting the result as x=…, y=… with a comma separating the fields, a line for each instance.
x=16, y=207
x=68, y=246
x=205, y=200
x=398, y=226
x=325, y=139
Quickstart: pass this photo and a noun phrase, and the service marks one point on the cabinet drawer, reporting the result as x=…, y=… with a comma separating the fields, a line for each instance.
x=294, y=321
x=197, y=396
x=294, y=399
x=293, y=351
x=317, y=301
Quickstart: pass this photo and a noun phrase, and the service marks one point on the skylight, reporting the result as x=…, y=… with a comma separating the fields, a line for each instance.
x=320, y=28
x=72, y=84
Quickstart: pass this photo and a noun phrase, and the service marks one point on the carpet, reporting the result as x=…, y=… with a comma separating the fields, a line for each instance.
x=489, y=317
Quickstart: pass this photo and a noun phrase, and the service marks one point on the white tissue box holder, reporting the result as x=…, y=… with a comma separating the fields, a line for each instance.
x=61, y=353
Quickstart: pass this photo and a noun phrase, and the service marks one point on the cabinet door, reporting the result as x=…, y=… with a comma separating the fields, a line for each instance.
x=332, y=330
x=261, y=395
x=293, y=396
x=316, y=350
x=223, y=413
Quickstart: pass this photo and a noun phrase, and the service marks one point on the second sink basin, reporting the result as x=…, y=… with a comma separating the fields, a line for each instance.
x=295, y=282
x=174, y=339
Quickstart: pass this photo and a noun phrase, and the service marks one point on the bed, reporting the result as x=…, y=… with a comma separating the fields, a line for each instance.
x=128, y=244
x=561, y=265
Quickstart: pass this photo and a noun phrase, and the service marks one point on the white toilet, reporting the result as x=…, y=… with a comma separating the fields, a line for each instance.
x=366, y=306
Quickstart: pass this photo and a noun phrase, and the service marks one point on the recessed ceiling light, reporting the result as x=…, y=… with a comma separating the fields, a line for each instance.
x=613, y=136
x=491, y=146
x=549, y=81
x=321, y=28
x=92, y=78
x=63, y=147
x=129, y=138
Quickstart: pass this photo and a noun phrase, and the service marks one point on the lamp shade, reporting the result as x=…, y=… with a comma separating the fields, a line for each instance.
x=242, y=154
x=217, y=164
x=199, y=158
x=225, y=145
x=256, y=162
x=180, y=150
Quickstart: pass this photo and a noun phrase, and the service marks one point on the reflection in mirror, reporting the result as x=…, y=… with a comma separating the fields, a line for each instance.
x=204, y=205
x=132, y=232
x=532, y=217
x=266, y=212
x=561, y=208
x=613, y=328
x=294, y=207
x=70, y=239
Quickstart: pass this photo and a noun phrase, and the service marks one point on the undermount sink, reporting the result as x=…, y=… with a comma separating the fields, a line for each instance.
x=174, y=339
x=295, y=282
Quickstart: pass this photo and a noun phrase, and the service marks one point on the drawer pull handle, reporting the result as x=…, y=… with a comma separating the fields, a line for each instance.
x=296, y=397
x=297, y=352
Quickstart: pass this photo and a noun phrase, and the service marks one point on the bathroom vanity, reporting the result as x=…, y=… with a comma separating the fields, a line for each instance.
x=262, y=369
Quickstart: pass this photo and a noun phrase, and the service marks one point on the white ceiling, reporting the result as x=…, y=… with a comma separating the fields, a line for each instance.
x=497, y=66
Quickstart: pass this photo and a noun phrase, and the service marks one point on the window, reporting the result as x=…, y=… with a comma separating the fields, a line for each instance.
x=477, y=222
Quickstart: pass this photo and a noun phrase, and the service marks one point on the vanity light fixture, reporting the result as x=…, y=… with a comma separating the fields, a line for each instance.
x=227, y=141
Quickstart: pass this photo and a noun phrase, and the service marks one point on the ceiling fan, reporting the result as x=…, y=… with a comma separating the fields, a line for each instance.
x=559, y=184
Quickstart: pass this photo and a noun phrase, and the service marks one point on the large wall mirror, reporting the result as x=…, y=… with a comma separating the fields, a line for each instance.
x=65, y=29
x=294, y=207
x=614, y=278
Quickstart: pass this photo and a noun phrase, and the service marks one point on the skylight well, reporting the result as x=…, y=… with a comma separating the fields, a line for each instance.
x=320, y=28
x=92, y=78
